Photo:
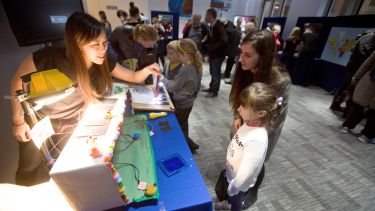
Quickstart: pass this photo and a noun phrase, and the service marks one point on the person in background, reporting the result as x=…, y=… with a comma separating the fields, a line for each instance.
x=135, y=17
x=276, y=29
x=216, y=49
x=103, y=19
x=134, y=46
x=233, y=49
x=257, y=63
x=307, y=52
x=363, y=101
x=196, y=31
x=85, y=61
x=259, y=107
x=162, y=39
x=290, y=47
x=239, y=24
x=123, y=16
x=187, y=25
x=185, y=85
x=362, y=50
x=250, y=27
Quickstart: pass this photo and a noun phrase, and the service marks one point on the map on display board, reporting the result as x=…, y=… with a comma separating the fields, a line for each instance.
x=340, y=44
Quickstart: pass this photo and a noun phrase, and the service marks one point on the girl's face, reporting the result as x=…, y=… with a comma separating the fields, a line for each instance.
x=249, y=58
x=96, y=50
x=172, y=55
x=248, y=113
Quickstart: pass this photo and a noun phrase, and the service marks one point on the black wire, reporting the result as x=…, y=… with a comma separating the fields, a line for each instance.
x=136, y=170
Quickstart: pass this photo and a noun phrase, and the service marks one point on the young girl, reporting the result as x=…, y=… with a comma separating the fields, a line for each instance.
x=259, y=107
x=185, y=85
x=258, y=63
x=172, y=67
x=84, y=60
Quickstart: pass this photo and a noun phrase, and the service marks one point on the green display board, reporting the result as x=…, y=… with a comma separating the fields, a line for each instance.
x=133, y=158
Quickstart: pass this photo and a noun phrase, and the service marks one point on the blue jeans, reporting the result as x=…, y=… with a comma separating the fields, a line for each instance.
x=215, y=70
x=236, y=201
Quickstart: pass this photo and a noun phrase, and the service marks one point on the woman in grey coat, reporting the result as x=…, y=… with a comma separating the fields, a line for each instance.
x=364, y=99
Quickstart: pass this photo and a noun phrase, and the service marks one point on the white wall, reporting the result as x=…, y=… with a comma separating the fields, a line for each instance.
x=303, y=8
x=94, y=6
x=247, y=7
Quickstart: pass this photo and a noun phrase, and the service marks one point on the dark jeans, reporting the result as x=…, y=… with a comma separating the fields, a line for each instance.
x=215, y=70
x=182, y=115
x=356, y=114
x=229, y=66
x=244, y=200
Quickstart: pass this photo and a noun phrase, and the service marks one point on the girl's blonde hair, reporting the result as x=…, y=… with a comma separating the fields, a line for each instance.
x=173, y=45
x=80, y=29
x=188, y=46
x=146, y=31
x=295, y=33
x=262, y=97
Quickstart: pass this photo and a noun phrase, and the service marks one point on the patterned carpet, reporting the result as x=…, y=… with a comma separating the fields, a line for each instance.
x=313, y=167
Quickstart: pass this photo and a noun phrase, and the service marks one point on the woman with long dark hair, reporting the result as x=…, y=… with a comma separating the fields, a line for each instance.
x=84, y=60
x=258, y=63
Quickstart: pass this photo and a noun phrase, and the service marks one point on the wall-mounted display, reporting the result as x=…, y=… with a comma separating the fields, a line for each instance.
x=183, y=7
x=242, y=20
x=169, y=21
x=340, y=44
x=39, y=21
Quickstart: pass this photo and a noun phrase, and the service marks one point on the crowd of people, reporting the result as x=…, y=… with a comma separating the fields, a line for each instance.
x=93, y=54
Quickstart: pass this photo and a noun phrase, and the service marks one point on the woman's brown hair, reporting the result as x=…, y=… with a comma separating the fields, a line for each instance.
x=267, y=69
x=81, y=29
x=146, y=31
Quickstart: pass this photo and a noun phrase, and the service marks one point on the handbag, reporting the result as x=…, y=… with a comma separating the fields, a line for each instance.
x=221, y=187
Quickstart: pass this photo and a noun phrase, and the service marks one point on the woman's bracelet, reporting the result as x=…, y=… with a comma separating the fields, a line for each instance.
x=16, y=125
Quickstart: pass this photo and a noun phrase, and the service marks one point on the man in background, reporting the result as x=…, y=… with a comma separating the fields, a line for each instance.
x=216, y=50
x=196, y=31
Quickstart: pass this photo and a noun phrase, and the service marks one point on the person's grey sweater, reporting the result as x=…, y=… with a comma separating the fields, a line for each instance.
x=185, y=86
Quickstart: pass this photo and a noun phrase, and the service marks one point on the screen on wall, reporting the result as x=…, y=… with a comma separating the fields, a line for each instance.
x=340, y=44
x=39, y=21
x=242, y=20
x=167, y=23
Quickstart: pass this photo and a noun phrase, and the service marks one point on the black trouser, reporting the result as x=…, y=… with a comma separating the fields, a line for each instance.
x=356, y=114
x=230, y=62
x=215, y=70
x=182, y=115
x=32, y=168
x=306, y=67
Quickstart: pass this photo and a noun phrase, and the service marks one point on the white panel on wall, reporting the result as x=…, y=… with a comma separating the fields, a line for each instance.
x=302, y=8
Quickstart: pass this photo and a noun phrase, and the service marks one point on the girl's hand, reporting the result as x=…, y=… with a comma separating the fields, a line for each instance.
x=152, y=69
x=22, y=132
x=236, y=124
